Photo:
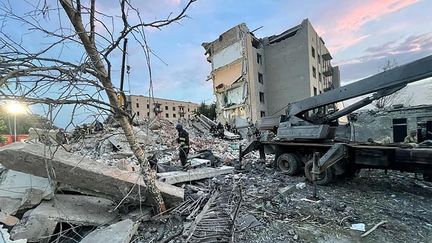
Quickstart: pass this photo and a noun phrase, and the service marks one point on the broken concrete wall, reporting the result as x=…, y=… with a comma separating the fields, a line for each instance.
x=226, y=76
x=378, y=124
x=227, y=55
x=83, y=173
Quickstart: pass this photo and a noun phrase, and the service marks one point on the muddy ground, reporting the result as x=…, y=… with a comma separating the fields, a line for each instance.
x=371, y=197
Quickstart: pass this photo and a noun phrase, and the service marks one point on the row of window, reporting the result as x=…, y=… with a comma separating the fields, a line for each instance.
x=181, y=108
x=166, y=115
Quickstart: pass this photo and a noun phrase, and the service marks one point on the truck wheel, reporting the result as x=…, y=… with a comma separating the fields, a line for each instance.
x=427, y=177
x=288, y=163
x=323, y=178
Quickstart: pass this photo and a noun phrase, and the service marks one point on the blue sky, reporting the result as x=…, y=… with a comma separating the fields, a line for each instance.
x=362, y=36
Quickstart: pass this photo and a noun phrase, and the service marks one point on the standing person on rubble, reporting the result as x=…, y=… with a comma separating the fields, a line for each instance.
x=220, y=130
x=411, y=138
x=61, y=137
x=183, y=140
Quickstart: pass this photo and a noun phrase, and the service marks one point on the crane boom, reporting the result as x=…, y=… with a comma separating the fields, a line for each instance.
x=402, y=75
x=294, y=126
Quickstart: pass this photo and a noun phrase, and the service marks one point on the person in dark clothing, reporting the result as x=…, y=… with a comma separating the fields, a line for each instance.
x=227, y=127
x=183, y=140
x=98, y=126
x=220, y=130
x=61, y=136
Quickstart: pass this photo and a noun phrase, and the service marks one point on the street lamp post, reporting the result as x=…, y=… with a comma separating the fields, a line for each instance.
x=16, y=108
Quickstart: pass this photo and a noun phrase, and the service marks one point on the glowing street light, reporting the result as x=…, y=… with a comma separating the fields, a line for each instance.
x=16, y=108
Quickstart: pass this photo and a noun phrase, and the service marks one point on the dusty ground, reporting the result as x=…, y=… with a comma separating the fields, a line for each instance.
x=369, y=198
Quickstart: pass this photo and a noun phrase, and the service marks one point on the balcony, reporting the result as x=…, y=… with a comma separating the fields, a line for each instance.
x=329, y=71
x=327, y=57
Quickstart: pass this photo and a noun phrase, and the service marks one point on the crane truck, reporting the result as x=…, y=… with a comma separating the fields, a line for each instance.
x=308, y=130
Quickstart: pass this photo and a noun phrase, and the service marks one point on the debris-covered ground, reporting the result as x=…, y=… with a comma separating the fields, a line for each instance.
x=97, y=195
x=399, y=199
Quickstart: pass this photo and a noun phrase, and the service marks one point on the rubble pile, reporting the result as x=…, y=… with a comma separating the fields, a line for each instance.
x=90, y=190
x=50, y=192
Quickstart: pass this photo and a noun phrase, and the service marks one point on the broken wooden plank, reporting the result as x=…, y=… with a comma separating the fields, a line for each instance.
x=174, y=177
x=84, y=173
x=189, y=232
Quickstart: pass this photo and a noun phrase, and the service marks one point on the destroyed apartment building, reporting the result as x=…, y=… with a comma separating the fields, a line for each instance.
x=257, y=77
x=151, y=107
x=392, y=124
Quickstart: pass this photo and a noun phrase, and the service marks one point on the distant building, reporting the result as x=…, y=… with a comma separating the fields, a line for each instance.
x=394, y=123
x=173, y=110
x=253, y=78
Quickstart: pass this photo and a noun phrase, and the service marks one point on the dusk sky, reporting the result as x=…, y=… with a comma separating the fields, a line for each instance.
x=361, y=35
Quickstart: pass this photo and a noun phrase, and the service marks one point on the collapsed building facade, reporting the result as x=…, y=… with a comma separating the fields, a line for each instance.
x=394, y=123
x=150, y=107
x=253, y=77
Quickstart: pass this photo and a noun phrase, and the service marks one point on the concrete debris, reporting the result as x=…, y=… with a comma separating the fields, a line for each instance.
x=5, y=237
x=247, y=221
x=94, y=177
x=195, y=162
x=231, y=136
x=175, y=177
x=120, y=232
x=301, y=185
x=41, y=222
x=98, y=172
x=359, y=227
x=20, y=191
x=7, y=219
x=285, y=191
x=33, y=228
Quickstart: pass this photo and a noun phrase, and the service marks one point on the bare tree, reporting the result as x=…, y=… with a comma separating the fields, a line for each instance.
x=399, y=96
x=51, y=73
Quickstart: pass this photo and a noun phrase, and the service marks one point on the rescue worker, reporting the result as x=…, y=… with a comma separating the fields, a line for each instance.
x=411, y=138
x=98, y=126
x=220, y=130
x=183, y=140
x=227, y=127
x=61, y=136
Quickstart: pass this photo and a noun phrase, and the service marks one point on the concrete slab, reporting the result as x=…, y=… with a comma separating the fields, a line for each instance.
x=174, y=177
x=196, y=162
x=121, y=232
x=84, y=173
x=7, y=219
x=40, y=222
x=5, y=237
x=286, y=191
x=29, y=190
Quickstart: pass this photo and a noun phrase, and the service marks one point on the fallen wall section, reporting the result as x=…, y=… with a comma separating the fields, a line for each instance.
x=83, y=173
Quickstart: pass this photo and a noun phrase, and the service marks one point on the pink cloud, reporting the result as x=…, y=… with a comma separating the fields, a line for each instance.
x=342, y=31
x=174, y=2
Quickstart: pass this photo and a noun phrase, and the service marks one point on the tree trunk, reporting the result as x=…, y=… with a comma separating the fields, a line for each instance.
x=149, y=176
